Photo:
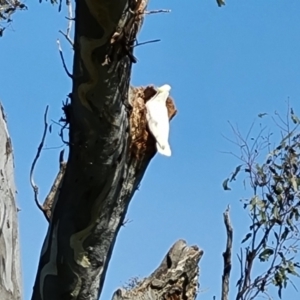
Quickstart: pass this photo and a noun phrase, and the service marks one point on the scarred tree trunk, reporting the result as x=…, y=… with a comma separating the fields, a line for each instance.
x=10, y=269
x=110, y=149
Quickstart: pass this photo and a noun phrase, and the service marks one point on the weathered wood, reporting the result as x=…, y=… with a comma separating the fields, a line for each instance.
x=175, y=278
x=53, y=195
x=110, y=150
x=227, y=256
x=10, y=269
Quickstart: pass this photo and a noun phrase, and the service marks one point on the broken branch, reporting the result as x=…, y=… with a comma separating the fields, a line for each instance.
x=227, y=256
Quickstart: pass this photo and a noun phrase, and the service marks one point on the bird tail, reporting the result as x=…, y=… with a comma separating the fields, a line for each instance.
x=164, y=149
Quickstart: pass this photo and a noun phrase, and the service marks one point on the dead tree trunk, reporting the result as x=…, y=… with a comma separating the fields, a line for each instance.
x=110, y=150
x=175, y=278
x=10, y=269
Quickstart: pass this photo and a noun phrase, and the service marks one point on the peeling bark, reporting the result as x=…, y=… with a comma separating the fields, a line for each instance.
x=10, y=269
x=176, y=278
x=110, y=150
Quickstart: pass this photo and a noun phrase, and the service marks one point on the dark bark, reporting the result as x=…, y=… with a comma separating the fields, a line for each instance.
x=175, y=278
x=110, y=150
x=10, y=269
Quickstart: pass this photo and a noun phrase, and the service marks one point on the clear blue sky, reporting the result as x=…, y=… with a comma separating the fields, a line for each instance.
x=223, y=64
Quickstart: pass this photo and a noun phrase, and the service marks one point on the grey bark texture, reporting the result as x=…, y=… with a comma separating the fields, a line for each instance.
x=176, y=278
x=10, y=269
x=109, y=151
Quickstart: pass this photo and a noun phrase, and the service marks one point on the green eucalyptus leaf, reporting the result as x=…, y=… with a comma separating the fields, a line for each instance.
x=285, y=233
x=261, y=115
x=225, y=185
x=294, y=118
x=236, y=171
x=265, y=254
x=247, y=237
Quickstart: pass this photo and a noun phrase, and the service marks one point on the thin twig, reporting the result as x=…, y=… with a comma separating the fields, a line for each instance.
x=229, y=140
x=255, y=143
x=227, y=256
x=157, y=11
x=67, y=38
x=39, y=150
x=148, y=42
x=127, y=221
x=233, y=154
x=282, y=128
x=288, y=115
x=61, y=132
x=240, y=258
x=250, y=130
x=62, y=59
x=56, y=123
x=53, y=148
x=61, y=135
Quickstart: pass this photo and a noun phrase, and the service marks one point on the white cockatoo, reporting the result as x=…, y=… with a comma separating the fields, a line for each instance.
x=158, y=119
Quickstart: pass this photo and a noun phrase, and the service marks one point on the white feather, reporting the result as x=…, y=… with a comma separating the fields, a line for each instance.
x=158, y=119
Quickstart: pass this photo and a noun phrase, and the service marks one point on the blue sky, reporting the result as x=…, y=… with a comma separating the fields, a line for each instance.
x=227, y=64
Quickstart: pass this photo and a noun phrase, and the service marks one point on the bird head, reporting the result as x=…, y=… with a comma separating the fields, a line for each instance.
x=163, y=88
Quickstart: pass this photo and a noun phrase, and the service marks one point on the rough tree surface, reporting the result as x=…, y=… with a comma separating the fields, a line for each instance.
x=175, y=278
x=10, y=270
x=110, y=149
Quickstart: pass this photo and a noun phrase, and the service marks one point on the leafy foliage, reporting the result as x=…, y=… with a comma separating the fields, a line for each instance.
x=274, y=209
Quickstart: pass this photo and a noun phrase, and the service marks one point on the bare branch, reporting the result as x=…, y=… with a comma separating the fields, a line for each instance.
x=250, y=130
x=53, y=148
x=61, y=132
x=157, y=11
x=227, y=256
x=67, y=38
x=62, y=59
x=148, y=42
x=285, y=123
x=240, y=281
x=40, y=148
x=125, y=222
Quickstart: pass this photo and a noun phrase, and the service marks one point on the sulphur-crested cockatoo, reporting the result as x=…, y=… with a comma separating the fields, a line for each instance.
x=158, y=120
